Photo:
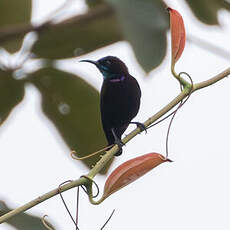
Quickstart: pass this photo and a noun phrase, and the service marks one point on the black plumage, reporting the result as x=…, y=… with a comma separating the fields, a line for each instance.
x=119, y=98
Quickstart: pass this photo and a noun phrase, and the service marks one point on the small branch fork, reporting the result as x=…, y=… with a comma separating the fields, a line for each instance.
x=187, y=89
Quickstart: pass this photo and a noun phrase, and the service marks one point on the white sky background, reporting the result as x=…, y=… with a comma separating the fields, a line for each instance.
x=191, y=193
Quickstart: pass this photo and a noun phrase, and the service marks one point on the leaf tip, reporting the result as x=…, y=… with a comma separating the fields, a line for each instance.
x=168, y=9
x=165, y=159
x=169, y=160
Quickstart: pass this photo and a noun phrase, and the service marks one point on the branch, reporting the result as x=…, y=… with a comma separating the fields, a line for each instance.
x=212, y=80
x=20, y=30
x=109, y=154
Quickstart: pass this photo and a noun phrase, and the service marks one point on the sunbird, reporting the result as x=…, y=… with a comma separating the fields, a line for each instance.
x=119, y=99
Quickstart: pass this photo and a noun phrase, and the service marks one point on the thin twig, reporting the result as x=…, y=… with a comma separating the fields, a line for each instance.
x=212, y=80
x=77, y=208
x=65, y=205
x=73, y=154
x=174, y=114
x=45, y=223
x=108, y=219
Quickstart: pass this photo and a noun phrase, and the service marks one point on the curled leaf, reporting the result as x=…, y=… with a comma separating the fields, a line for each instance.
x=177, y=35
x=131, y=170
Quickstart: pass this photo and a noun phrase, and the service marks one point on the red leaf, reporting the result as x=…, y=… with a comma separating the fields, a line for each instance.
x=130, y=171
x=177, y=34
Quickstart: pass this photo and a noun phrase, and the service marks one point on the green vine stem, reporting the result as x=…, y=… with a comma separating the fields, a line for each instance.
x=109, y=154
x=181, y=80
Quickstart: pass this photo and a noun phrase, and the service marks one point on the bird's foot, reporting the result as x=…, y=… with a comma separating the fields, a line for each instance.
x=140, y=125
x=117, y=141
x=120, y=145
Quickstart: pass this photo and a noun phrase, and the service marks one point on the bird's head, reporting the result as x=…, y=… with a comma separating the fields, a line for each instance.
x=111, y=67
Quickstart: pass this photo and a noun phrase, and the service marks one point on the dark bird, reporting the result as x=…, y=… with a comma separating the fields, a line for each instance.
x=119, y=98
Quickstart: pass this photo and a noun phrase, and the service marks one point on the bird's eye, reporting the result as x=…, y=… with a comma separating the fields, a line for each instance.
x=108, y=62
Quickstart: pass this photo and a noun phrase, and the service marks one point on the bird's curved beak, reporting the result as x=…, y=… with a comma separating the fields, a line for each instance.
x=92, y=62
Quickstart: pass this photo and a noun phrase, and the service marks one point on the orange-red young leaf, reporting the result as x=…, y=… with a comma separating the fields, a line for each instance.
x=130, y=171
x=177, y=34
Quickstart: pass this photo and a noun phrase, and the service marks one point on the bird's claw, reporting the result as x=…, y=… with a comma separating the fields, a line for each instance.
x=119, y=143
x=140, y=125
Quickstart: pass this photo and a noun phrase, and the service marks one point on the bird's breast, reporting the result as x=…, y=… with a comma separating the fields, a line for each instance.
x=120, y=101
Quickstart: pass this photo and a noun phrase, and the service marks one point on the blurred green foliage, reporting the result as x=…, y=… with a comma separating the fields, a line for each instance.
x=207, y=10
x=11, y=93
x=73, y=106
x=144, y=25
x=13, y=13
x=82, y=35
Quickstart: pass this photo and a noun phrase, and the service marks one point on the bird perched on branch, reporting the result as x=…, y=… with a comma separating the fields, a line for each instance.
x=119, y=99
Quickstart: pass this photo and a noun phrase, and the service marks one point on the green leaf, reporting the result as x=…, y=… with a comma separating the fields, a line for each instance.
x=13, y=13
x=79, y=35
x=143, y=22
x=73, y=106
x=94, y=3
x=23, y=221
x=226, y=5
x=144, y=25
x=11, y=93
x=206, y=10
